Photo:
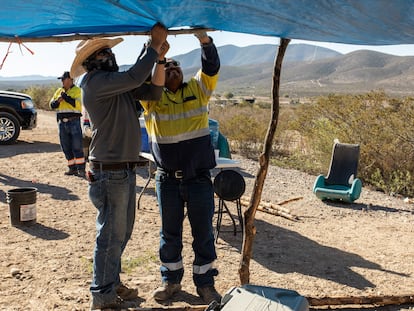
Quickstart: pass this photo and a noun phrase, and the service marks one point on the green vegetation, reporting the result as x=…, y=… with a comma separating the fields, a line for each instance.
x=128, y=264
x=86, y=264
x=383, y=126
x=41, y=95
x=144, y=261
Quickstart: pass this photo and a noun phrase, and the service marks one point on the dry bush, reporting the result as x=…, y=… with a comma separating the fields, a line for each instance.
x=244, y=125
x=41, y=95
x=380, y=124
x=383, y=126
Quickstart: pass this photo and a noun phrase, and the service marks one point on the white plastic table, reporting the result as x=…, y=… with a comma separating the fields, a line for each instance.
x=221, y=163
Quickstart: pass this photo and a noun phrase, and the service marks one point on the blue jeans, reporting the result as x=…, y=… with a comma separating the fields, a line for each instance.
x=198, y=196
x=70, y=136
x=114, y=195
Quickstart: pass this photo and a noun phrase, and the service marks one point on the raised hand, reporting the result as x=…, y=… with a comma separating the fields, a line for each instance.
x=159, y=35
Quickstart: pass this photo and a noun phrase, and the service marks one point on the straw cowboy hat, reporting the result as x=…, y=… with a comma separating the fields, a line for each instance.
x=86, y=48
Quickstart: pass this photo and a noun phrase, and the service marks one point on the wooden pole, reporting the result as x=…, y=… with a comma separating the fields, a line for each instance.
x=186, y=308
x=315, y=302
x=249, y=215
x=77, y=36
x=361, y=300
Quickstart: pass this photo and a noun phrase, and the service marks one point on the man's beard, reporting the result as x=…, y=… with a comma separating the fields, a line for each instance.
x=109, y=64
x=173, y=80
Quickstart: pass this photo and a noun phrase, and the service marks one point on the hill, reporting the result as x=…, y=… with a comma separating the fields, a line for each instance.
x=356, y=72
x=307, y=70
x=231, y=55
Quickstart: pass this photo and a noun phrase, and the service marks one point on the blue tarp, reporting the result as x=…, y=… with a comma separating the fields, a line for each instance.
x=368, y=22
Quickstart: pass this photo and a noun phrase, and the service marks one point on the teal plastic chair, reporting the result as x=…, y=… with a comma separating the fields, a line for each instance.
x=341, y=182
x=218, y=140
x=223, y=146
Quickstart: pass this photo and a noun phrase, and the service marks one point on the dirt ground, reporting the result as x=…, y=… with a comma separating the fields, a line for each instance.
x=360, y=249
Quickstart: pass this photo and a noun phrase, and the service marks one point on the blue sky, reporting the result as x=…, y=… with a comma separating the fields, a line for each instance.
x=51, y=59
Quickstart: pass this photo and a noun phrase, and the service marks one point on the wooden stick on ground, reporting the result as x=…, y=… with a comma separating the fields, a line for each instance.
x=278, y=207
x=289, y=200
x=273, y=209
x=368, y=300
x=186, y=308
x=317, y=302
x=277, y=213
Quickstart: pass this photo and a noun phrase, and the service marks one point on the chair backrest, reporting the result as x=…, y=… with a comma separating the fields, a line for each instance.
x=344, y=164
x=229, y=185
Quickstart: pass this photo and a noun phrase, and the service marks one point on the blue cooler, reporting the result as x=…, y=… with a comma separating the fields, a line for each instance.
x=145, y=147
x=214, y=132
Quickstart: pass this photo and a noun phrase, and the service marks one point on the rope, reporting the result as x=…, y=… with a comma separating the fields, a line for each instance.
x=20, y=43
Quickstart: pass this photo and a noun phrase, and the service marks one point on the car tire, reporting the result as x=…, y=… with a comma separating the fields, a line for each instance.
x=9, y=128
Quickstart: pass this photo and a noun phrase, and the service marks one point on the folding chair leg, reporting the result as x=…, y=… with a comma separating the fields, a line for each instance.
x=219, y=216
x=146, y=184
x=239, y=213
x=222, y=206
x=232, y=218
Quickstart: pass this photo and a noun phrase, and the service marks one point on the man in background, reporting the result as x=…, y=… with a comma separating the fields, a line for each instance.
x=67, y=103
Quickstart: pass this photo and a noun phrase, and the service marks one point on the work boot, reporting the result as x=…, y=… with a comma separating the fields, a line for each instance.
x=72, y=170
x=117, y=304
x=81, y=173
x=126, y=293
x=166, y=291
x=208, y=294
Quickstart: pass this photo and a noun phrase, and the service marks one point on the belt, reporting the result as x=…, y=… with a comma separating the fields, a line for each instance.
x=113, y=166
x=64, y=120
x=172, y=174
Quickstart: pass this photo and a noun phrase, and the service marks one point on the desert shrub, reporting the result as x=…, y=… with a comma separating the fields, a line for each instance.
x=383, y=126
x=244, y=126
x=380, y=124
x=41, y=95
x=228, y=95
x=263, y=105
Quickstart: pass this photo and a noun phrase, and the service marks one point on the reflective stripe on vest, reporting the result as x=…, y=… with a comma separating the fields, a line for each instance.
x=181, y=115
x=180, y=137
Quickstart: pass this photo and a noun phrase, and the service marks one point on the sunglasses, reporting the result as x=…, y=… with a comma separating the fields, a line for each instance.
x=172, y=63
x=104, y=52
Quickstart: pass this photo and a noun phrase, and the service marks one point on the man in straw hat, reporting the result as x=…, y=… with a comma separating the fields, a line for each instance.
x=181, y=145
x=110, y=98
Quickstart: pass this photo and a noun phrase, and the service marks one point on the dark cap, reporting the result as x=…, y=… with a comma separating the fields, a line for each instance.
x=65, y=75
x=170, y=61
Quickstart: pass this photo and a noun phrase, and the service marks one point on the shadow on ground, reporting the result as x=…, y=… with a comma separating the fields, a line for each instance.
x=363, y=207
x=56, y=192
x=24, y=147
x=294, y=253
x=43, y=232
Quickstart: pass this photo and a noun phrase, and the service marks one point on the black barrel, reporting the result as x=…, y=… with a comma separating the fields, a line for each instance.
x=22, y=206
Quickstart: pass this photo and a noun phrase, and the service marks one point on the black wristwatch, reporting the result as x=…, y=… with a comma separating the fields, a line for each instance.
x=161, y=62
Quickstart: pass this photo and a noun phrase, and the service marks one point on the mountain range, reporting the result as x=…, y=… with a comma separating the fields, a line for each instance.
x=307, y=70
